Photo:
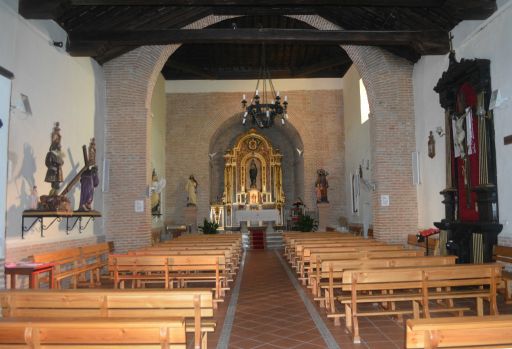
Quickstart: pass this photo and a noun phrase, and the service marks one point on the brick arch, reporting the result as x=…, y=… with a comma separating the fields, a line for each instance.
x=130, y=80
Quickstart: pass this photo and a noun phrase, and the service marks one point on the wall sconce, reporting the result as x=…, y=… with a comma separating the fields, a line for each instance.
x=440, y=132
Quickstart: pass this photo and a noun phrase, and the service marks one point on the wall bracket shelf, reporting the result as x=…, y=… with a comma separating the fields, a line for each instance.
x=73, y=219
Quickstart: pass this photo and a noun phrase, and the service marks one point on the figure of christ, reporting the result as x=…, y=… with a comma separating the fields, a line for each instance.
x=253, y=174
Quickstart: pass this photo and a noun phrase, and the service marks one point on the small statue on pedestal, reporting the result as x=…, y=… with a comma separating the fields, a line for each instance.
x=191, y=188
x=54, y=161
x=321, y=186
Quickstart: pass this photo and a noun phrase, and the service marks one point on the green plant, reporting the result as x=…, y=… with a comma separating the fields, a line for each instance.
x=306, y=223
x=208, y=227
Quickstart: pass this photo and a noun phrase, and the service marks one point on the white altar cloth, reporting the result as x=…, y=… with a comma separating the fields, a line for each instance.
x=267, y=215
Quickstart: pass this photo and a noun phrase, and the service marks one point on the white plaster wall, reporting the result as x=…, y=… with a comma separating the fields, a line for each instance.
x=489, y=39
x=357, y=145
x=5, y=94
x=60, y=88
x=205, y=86
x=158, y=131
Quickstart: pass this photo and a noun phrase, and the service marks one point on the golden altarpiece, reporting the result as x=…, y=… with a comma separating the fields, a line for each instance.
x=253, y=182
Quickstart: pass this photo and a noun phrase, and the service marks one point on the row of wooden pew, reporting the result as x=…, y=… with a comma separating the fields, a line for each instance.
x=155, y=313
x=355, y=273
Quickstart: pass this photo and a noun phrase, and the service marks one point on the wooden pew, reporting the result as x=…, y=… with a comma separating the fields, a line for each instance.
x=332, y=272
x=503, y=254
x=90, y=333
x=196, y=305
x=317, y=258
x=304, y=266
x=413, y=285
x=73, y=263
x=472, y=331
x=179, y=269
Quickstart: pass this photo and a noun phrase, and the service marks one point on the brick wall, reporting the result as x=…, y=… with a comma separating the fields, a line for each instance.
x=194, y=118
x=130, y=81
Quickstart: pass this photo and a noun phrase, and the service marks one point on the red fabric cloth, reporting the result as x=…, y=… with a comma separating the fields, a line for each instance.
x=428, y=232
x=257, y=237
x=467, y=208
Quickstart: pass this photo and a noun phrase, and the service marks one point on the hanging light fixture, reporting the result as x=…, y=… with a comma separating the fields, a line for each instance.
x=266, y=104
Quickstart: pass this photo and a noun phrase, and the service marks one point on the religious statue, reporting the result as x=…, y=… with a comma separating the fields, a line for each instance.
x=91, y=161
x=253, y=173
x=88, y=181
x=34, y=198
x=54, y=161
x=155, y=195
x=321, y=186
x=191, y=188
x=431, y=146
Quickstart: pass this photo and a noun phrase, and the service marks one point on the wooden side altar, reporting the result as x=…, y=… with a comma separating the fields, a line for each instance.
x=471, y=223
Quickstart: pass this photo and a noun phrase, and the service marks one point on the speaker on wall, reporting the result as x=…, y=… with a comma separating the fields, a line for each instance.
x=416, y=168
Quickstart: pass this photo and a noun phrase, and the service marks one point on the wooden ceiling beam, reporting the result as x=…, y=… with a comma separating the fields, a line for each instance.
x=425, y=42
x=261, y=3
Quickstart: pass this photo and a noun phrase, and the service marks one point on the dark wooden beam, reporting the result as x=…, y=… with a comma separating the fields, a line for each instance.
x=36, y=9
x=425, y=42
x=260, y=3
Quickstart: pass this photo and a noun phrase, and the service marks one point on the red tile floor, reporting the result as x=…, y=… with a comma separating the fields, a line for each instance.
x=270, y=314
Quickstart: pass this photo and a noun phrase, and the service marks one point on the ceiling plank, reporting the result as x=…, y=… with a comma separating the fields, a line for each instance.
x=322, y=65
x=188, y=68
x=425, y=42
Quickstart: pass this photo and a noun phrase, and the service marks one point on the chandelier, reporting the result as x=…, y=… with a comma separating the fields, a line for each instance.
x=266, y=104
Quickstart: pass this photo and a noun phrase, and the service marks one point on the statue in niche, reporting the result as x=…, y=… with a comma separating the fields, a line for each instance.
x=191, y=188
x=431, y=146
x=321, y=186
x=54, y=161
x=253, y=173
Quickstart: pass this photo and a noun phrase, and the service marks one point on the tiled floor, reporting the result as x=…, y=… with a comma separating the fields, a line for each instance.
x=270, y=314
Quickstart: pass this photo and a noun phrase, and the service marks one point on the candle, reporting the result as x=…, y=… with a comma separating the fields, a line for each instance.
x=243, y=97
x=257, y=93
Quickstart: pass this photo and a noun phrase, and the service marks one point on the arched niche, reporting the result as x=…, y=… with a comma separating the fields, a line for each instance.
x=284, y=138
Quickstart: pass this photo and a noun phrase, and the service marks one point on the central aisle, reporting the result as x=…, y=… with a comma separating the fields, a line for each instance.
x=269, y=311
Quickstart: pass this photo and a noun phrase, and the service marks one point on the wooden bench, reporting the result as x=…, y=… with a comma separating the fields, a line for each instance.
x=304, y=261
x=139, y=270
x=317, y=258
x=503, y=254
x=179, y=269
x=196, y=305
x=231, y=262
x=73, y=263
x=90, y=333
x=467, y=332
x=332, y=272
x=413, y=285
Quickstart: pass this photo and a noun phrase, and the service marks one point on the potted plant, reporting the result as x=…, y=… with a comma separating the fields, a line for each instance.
x=208, y=227
x=306, y=223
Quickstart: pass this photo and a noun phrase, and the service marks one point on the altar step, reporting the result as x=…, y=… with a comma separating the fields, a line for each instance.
x=272, y=240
